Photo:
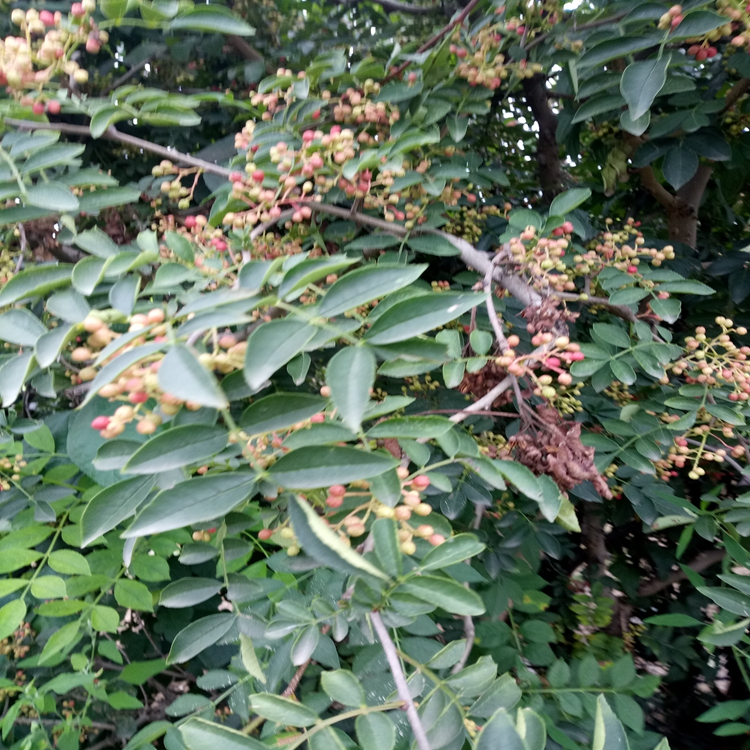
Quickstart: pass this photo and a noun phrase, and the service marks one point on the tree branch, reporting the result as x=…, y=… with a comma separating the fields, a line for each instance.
x=702, y=561
x=583, y=27
x=115, y=135
x=394, y=6
x=433, y=40
x=245, y=50
x=739, y=89
x=400, y=679
x=649, y=181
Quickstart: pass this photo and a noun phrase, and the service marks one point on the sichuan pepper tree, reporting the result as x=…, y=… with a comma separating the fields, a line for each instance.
x=389, y=387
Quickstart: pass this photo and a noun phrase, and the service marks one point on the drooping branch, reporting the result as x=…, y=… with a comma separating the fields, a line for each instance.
x=400, y=679
x=245, y=50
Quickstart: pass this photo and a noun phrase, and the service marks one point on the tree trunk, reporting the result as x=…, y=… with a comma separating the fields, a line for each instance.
x=547, y=150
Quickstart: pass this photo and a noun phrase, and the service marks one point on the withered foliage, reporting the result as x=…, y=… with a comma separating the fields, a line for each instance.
x=551, y=445
x=480, y=383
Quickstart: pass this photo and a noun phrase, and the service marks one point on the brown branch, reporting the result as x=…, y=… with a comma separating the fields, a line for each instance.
x=662, y=195
x=433, y=40
x=621, y=311
x=244, y=49
x=739, y=89
x=125, y=77
x=702, y=561
x=692, y=191
x=394, y=6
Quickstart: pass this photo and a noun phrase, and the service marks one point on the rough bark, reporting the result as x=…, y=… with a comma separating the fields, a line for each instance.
x=548, y=151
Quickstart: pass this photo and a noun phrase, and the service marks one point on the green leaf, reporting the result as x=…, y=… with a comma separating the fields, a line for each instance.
x=532, y=729
x=680, y=164
x=350, y=375
x=622, y=371
x=614, y=48
x=324, y=545
x=250, y=659
x=213, y=19
x=150, y=733
x=49, y=346
x=280, y=411
x=521, y=478
x=193, y=501
x=133, y=595
x=34, y=282
x=418, y=315
x=122, y=701
x=13, y=374
x=612, y=335
x=564, y=203
x=686, y=286
x=105, y=619
x=431, y=244
x=304, y=645
x=411, y=428
x=598, y=105
x=725, y=711
x=59, y=640
x=283, y=710
x=444, y=593
x=622, y=672
x=272, y=345
x=198, y=636
x=725, y=414
x=503, y=693
x=308, y=271
x=112, y=505
x=499, y=733
x=106, y=116
x=182, y=375
x=457, y=127
x=122, y=362
x=728, y=599
x=199, y=734
x=52, y=195
x=365, y=284
x=11, y=616
x=609, y=734
x=19, y=326
x=70, y=563
x=187, y=592
x=137, y=672
x=641, y=82
x=697, y=23
x=387, y=546
x=667, y=309
x=454, y=550
x=52, y=156
x=114, y=196
x=176, y=447
x=343, y=687
x=310, y=467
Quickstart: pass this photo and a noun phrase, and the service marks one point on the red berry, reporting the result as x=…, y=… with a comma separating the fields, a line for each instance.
x=190, y=222
x=412, y=78
x=265, y=534
x=338, y=490
x=47, y=18
x=258, y=175
x=568, y=227
x=236, y=177
x=334, y=501
x=420, y=482
x=461, y=52
x=100, y=423
x=77, y=10
x=712, y=52
x=53, y=107
x=38, y=108
x=693, y=50
x=315, y=116
x=701, y=55
x=632, y=269
x=138, y=397
x=318, y=418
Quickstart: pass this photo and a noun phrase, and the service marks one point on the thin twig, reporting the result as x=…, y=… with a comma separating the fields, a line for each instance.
x=389, y=647
x=702, y=561
x=22, y=235
x=125, y=77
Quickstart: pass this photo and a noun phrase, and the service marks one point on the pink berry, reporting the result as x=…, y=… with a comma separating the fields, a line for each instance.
x=138, y=397
x=258, y=175
x=38, y=108
x=236, y=177
x=190, y=222
x=47, y=18
x=421, y=482
x=53, y=107
x=632, y=269
x=100, y=423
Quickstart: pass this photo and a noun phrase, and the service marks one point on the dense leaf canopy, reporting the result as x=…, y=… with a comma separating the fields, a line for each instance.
x=375, y=376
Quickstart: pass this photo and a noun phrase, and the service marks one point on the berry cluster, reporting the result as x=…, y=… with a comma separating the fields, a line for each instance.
x=10, y=470
x=45, y=50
